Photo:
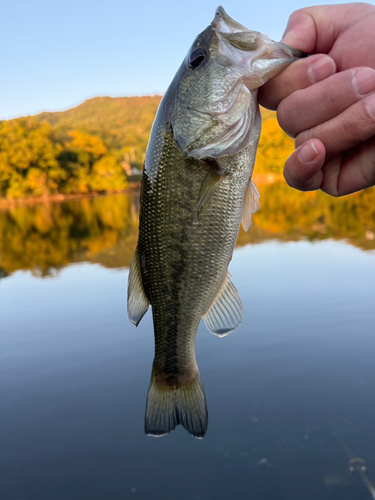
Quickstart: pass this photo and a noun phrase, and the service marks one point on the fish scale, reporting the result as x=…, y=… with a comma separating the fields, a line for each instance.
x=196, y=190
x=189, y=260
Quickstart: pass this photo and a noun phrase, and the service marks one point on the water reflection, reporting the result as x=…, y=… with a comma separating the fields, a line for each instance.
x=75, y=374
x=43, y=238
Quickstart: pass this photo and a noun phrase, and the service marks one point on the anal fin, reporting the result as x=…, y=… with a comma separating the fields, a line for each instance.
x=137, y=300
x=251, y=205
x=226, y=312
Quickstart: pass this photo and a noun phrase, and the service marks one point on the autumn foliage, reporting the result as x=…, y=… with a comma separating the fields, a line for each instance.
x=96, y=147
x=274, y=148
x=91, y=148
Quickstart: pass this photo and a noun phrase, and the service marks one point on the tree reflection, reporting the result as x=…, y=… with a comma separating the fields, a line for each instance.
x=43, y=238
x=289, y=215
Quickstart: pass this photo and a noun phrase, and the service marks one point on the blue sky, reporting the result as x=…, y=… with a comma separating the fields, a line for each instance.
x=54, y=55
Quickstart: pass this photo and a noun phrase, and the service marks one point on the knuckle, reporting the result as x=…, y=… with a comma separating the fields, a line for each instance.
x=304, y=136
x=301, y=74
x=368, y=175
x=297, y=14
x=327, y=98
x=343, y=129
x=369, y=105
x=267, y=95
x=286, y=115
x=359, y=125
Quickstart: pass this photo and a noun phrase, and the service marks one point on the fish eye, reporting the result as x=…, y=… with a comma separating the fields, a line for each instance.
x=197, y=57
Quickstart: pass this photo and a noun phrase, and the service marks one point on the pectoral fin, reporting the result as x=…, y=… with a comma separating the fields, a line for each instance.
x=250, y=206
x=226, y=312
x=209, y=186
x=137, y=300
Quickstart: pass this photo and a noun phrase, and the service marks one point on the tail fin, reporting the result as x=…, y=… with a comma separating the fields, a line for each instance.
x=169, y=406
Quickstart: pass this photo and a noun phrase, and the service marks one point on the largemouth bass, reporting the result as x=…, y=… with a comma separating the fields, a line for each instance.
x=196, y=190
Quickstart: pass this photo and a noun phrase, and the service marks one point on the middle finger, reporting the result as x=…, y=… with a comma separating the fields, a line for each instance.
x=299, y=75
x=323, y=101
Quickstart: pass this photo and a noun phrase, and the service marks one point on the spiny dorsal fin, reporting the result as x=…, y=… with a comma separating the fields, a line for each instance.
x=226, y=312
x=251, y=205
x=137, y=300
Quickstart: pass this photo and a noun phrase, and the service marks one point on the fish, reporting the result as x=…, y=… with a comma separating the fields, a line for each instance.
x=196, y=190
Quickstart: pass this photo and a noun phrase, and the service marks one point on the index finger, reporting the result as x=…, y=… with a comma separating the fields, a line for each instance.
x=299, y=75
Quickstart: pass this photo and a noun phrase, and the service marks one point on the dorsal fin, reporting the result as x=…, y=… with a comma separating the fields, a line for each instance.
x=226, y=312
x=137, y=300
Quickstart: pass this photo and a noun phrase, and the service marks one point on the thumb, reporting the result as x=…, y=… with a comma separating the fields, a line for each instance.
x=315, y=29
x=300, y=32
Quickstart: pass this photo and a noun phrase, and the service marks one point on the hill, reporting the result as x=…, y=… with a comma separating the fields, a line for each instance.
x=122, y=123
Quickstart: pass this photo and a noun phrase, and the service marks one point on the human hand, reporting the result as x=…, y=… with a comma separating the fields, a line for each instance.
x=327, y=101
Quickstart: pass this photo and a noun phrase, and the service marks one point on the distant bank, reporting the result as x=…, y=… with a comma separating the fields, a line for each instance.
x=6, y=203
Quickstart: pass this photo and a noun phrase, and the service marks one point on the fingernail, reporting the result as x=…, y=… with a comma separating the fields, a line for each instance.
x=308, y=153
x=364, y=81
x=323, y=68
x=370, y=105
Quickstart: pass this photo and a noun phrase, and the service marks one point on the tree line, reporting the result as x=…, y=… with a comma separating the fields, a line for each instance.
x=36, y=161
x=95, y=148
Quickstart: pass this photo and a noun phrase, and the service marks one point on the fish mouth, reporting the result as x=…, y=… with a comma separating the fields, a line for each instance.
x=225, y=24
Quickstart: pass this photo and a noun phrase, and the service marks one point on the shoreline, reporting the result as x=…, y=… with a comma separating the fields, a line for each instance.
x=7, y=203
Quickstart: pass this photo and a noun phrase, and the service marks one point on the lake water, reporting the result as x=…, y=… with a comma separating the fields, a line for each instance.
x=290, y=394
